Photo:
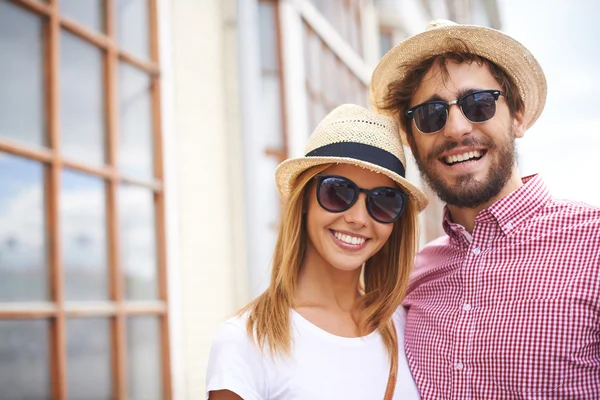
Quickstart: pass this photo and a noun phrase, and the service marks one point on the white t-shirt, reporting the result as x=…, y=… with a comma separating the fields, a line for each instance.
x=322, y=365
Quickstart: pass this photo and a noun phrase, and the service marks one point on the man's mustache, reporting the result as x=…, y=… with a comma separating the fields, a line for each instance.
x=470, y=141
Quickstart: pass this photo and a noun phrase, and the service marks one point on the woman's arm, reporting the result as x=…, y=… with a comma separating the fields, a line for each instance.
x=223, y=395
x=235, y=368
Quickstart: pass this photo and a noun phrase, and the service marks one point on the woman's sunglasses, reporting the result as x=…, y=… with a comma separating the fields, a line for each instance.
x=431, y=117
x=337, y=194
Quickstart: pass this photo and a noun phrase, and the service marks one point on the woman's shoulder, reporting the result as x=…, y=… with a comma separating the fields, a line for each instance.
x=233, y=332
x=400, y=316
x=399, y=319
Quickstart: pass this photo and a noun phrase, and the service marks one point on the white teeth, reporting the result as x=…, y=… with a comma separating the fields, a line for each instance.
x=349, y=239
x=462, y=157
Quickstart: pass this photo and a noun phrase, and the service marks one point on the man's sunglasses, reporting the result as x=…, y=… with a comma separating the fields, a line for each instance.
x=431, y=116
x=337, y=194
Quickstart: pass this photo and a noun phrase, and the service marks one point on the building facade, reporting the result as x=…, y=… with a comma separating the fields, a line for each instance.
x=138, y=142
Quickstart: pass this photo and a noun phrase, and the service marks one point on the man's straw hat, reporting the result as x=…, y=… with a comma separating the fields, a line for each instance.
x=351, y=134
x=498, y=47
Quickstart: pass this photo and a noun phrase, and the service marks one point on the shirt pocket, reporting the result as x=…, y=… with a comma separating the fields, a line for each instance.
x=527, y=344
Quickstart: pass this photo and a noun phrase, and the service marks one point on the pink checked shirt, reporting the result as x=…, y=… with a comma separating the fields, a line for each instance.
x=513, y=310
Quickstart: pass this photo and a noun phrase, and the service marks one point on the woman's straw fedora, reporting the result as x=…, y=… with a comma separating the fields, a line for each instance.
x=351, y=134
x=498, y=47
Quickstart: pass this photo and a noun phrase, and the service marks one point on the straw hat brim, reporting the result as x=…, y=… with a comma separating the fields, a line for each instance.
x=289, y=170
x=496, y=46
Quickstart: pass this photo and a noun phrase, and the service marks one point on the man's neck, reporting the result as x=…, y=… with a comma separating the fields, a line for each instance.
x=465, y=216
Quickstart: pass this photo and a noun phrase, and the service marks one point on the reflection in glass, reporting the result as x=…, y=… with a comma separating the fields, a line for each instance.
x=135, y=117
x=23, y=273
x=82, y=100
x=24, y=359
x=133, y=27
x=138, y=242
x=83, y=235
x=89, y=358
x=89, y=13
x=21, y=75
x=143, y=357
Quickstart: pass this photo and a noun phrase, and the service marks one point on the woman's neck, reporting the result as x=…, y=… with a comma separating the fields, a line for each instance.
x=322, y=285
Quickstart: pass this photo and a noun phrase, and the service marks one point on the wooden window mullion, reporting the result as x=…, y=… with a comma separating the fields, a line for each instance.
x=58, y=335
x=159, y=197
x=118, y=338
x=159, y=203
x=56, y=310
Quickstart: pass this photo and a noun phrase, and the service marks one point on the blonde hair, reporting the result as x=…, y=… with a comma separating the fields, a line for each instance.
x=385, y=278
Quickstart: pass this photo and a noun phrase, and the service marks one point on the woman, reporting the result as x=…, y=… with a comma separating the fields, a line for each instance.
x=329, y=326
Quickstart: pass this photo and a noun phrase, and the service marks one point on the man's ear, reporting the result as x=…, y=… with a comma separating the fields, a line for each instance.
x=519, y=126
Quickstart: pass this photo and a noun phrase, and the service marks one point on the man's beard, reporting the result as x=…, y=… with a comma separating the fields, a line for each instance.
x=466, y=191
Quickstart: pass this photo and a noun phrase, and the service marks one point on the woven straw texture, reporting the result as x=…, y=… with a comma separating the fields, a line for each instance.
x=355, y=124
x=501, y=49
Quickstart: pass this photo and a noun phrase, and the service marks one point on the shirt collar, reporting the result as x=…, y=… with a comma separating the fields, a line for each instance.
x=510, y=211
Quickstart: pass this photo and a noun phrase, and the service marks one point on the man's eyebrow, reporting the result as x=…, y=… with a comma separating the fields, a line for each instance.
x=433, y=97
x=459, y=94
x=464, y=92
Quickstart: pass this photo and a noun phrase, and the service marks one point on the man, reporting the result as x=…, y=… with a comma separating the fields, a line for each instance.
x=507, y=304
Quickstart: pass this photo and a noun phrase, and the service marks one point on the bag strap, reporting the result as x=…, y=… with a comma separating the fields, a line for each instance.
x=391, y=384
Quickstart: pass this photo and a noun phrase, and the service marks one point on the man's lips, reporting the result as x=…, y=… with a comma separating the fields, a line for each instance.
x=462, y=155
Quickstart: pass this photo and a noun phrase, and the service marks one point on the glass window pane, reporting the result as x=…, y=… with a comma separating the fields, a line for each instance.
x=22, y=115
x=316, y=54
x=328, y=74
x=83, y=229
x=89, y=358
x=90, y=12
x=133, y=27
x=24, y=359
x=306, y=45
x=385, y=42
x=268, y=36
x=135, y=118
x=271, y=124
x=82, y=100
x=138, y=242
x=143, y=358
x=23, y=273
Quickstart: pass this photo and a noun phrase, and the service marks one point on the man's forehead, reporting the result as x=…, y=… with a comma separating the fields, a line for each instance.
x=453, y=81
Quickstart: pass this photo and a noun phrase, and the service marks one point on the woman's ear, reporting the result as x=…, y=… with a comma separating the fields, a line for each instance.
x=306, y=197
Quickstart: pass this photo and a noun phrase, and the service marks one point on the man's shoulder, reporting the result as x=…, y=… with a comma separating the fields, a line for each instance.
x=436, y=244
x=432, y=254
x=570, y=213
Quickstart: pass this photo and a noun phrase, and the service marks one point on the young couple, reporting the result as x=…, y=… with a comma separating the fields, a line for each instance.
x=506, y=305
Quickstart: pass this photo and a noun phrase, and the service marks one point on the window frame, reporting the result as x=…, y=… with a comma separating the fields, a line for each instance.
x=117, y=309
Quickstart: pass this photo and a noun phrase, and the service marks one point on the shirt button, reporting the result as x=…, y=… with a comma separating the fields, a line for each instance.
x=508, y=226
x=476, y=251
x=458, y=366
x=467, y=307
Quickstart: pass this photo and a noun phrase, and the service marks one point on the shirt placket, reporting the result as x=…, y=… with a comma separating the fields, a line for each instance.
x=463, y=335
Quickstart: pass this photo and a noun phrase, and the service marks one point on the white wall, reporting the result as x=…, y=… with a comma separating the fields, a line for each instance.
x=211, y=267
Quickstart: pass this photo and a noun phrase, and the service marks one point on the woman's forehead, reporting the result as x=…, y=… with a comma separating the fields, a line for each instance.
x=361, y=176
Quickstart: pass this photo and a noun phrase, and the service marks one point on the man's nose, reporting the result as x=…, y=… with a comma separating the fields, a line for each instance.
x=457, y=124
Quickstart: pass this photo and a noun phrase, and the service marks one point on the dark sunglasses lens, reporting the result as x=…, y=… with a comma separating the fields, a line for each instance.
x=386, y=205
x=478, y=107
x=336, y=194
x=431, y=117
